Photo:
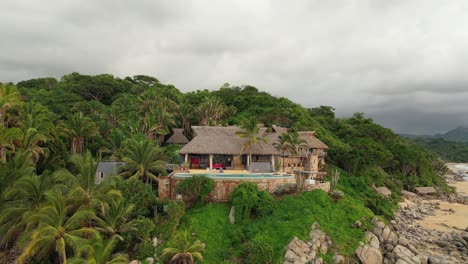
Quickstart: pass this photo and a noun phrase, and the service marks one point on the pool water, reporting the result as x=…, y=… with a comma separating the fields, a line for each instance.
x=235, y=176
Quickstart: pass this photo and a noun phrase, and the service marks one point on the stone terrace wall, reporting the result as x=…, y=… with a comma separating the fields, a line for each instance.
x=224, y=187
x=325, y=186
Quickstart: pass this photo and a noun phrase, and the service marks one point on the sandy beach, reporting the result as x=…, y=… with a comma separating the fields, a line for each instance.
x=451, y=215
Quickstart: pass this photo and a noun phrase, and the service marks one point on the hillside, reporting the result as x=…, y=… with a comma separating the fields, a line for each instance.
x=450, y=151
x=459, y=134
x=52, y=133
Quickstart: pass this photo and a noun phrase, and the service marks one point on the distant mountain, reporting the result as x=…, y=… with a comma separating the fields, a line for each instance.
x=459, y=134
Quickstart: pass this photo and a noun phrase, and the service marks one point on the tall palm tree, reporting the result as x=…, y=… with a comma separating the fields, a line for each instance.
x=32, y=141
x=57, y=229
x=157, y=112
x=283, y=145
x=9, y=97
x=142, y=161
x=8, y=136
x=211, y=111
x=24, y=197
x=83, y=188
x=296, y=143
x=99, y=251
x=250, y=132
x=78, y=128
x=181, y=250
x=114, y=219
x=16, y=167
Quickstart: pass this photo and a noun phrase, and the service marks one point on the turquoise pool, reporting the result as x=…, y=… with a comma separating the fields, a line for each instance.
x=235, y=176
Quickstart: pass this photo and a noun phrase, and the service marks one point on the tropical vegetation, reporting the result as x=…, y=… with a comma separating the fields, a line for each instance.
x=54, y=133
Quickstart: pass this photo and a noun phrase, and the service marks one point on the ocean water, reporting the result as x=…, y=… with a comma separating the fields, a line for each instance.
x=463, y=170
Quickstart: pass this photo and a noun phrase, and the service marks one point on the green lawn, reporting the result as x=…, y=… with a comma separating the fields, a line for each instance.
x=293, y=216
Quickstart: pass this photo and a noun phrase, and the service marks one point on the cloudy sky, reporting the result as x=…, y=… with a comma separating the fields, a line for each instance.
x=402, y=62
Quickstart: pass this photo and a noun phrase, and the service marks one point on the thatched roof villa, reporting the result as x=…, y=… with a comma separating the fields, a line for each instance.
x=220, y=147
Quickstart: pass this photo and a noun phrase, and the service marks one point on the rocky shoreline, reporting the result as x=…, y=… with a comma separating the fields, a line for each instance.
x=405, y=240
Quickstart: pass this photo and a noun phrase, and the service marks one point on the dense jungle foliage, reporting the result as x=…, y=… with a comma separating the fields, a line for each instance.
x=450, y=151
x=54, y=132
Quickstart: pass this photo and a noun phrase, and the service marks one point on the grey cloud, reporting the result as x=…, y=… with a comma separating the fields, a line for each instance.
x=400, y=61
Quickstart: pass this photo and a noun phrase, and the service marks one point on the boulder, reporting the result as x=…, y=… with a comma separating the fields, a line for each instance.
x=403, y=253
x=369, y=255
x=372, y=239
x=358, y=224
x=134, y=262
x=232, y=215
x=407, y=194
x=384, y=191
x=150, y=260
x=425, y=190
x=338, y=259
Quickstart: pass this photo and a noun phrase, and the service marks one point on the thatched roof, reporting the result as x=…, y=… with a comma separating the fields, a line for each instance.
x=223, y=140
x=178, y=137
x=312, y=140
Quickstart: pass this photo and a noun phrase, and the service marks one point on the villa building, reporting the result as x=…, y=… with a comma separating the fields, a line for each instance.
x=220, y=147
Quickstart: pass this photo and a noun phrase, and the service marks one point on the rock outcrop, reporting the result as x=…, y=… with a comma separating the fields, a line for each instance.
x=425, y=190
x=299, y=251
x=384, y=191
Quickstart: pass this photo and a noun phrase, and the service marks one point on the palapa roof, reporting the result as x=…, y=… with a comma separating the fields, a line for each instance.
x=223, y=140
x=177, y=137
x=312, y=140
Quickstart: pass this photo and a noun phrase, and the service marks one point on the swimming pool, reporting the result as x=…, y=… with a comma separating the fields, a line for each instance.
x=235, y=175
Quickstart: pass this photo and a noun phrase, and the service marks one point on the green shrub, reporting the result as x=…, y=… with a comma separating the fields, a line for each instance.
x=237, y=235
x=287, y=188
x=145, y=228
x=257, y=252
x=337, y=194
x=175, y=211
x=196, y=188
x=145, y=249
x=266, y=204
x=244, y=198
x=136, y=192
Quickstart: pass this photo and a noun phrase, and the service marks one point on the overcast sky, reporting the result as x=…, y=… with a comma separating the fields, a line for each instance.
x=402, y=62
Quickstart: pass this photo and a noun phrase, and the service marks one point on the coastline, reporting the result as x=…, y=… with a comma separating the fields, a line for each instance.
x=437, y=225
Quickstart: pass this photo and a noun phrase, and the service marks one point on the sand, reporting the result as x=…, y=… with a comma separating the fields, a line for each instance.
x=443, y=220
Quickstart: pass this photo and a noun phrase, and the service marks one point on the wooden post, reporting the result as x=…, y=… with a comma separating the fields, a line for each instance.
x=211, y=161
x=273, y=163
x=186, y=157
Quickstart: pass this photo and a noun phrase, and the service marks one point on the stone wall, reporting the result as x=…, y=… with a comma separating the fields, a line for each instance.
x=223, y=187
x=325, y=186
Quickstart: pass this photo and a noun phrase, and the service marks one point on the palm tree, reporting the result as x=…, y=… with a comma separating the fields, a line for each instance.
x=78, y=128
x=25, y=196
x=284, y=146
x=32, y=141
x=211, y=111
x=114, y=219
x=157, y=112
x=184, y=112
x=250, y=132
x=18, y=166
x=181, y=250
x=57, y=228
x=8, y=136
x=83, y=188
x=296, y=143
x=142, y=161
x=9, y=97
x=99, y=251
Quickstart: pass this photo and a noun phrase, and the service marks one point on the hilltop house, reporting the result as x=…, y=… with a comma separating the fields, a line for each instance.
x=220, y=147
